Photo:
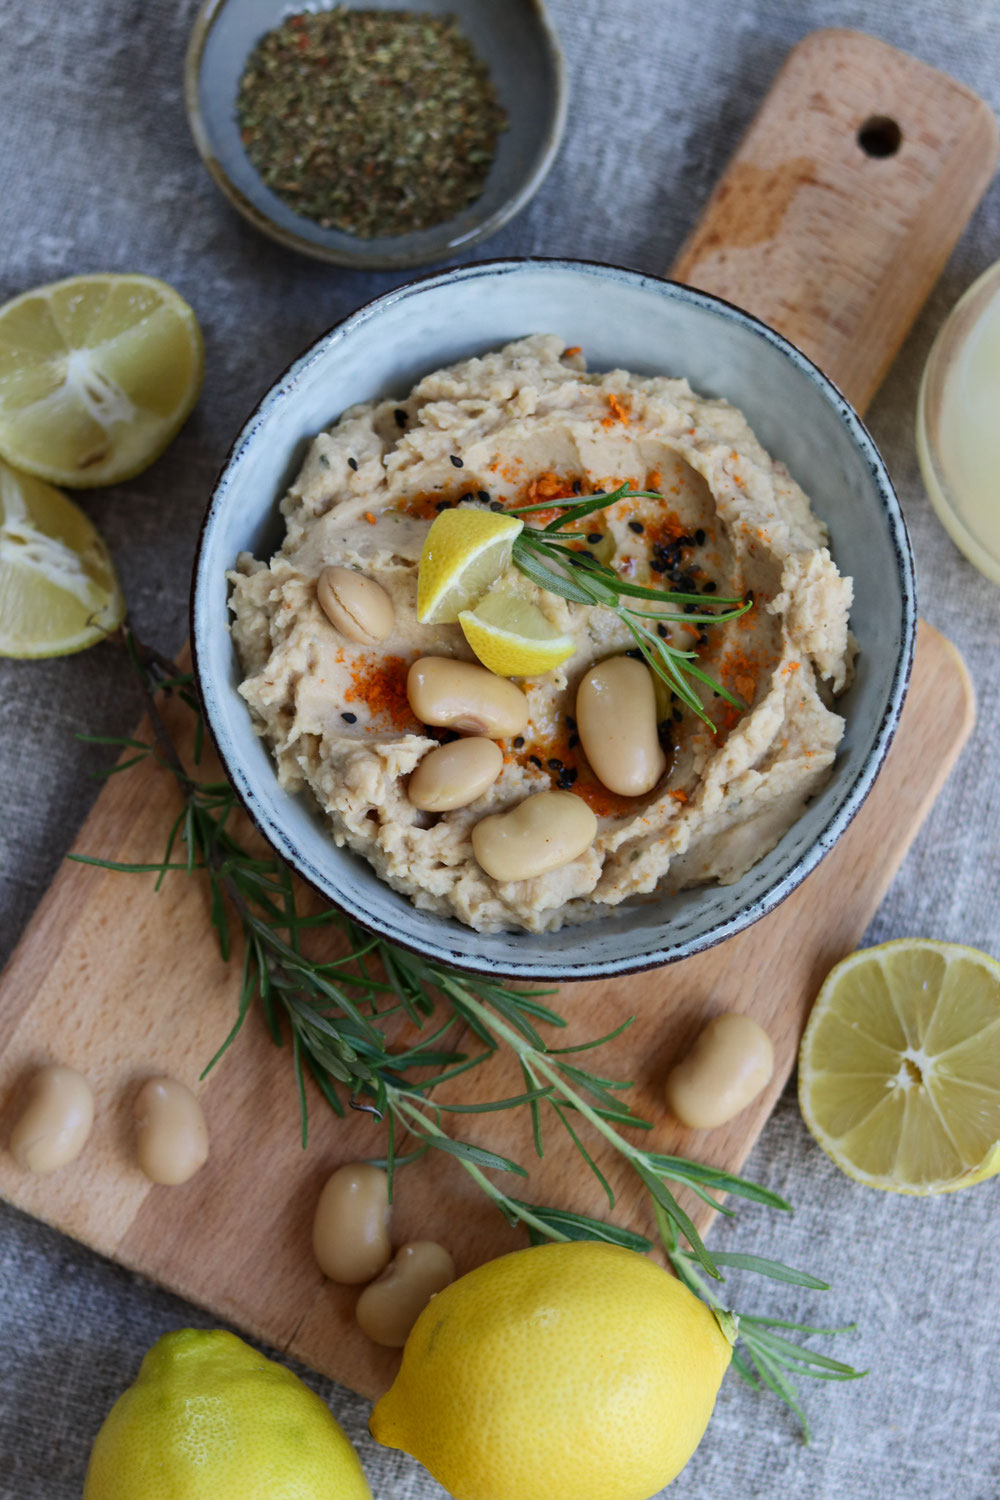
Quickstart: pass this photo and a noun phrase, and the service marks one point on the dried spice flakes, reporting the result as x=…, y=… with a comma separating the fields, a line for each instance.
x=376, y=122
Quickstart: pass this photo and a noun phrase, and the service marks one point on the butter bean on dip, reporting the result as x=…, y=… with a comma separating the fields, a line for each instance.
x=353, y=694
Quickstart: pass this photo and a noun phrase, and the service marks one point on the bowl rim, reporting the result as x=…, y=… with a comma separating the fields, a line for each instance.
x=361, y=260
x=853, y=800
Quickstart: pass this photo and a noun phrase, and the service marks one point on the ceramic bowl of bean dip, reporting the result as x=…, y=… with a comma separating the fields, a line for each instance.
x=371, y=135
x=747, y=478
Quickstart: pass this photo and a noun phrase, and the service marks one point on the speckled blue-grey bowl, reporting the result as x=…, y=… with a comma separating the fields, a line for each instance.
x=621, y=319
x=515, y=38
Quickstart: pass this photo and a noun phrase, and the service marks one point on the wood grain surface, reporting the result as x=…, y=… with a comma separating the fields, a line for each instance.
x=835, y=247
x=122, y=982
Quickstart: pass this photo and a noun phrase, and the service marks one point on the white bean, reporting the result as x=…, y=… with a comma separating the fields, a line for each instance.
x=355, y=605
x=389, y=1307
x=171, y=1137
x=458, y=695
x=351, y=1227
x=616, y=722
x=540, y=834
x=55, y=1121
x=455, y=775
x=731, y=1061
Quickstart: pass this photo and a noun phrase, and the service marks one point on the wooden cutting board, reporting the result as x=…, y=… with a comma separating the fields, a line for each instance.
x=837, y=248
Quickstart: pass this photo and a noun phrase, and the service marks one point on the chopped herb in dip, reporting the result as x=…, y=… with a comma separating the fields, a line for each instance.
x=376, y=122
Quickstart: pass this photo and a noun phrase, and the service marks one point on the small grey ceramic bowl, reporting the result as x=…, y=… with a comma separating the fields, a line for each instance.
x=516, y=40
x=621, y=319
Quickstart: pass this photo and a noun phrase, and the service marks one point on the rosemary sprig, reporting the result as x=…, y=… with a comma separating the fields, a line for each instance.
x=336, y=1010
x=550, y=557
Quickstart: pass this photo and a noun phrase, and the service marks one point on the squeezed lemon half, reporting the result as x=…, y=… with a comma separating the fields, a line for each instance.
x=513, y=638
x=464, y=552
x=899, y=1071
x=97, y=374
x=58, y=588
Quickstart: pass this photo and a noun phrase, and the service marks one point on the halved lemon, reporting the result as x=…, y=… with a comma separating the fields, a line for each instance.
x=513, y=638
x=97, y=374
x=899, y=1072
x=464, y=552
x=58, y=589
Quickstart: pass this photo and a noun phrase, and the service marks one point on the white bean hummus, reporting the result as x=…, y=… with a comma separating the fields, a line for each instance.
x=529, y=424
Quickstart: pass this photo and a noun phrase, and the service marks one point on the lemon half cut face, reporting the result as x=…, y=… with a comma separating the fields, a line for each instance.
x=899, y=1072
x=97, y=374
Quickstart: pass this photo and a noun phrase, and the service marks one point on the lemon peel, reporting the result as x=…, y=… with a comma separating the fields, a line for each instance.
x=208, y=1417
x=513, y=638
x=465, y=551
x=557, y=1372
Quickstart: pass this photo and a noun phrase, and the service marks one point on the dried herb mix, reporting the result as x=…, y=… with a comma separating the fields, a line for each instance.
x=376, y=122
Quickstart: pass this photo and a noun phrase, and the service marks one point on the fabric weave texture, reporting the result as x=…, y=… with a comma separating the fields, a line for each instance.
x=98, y=172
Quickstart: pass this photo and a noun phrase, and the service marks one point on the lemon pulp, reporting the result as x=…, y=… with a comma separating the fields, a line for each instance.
x=97, y=374
x=899, y=1071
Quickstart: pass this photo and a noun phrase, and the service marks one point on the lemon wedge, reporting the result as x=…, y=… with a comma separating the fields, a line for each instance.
x=97, y=374
x=899, y=1072
x=513, y=638
x=464, y=552
x=58, y=589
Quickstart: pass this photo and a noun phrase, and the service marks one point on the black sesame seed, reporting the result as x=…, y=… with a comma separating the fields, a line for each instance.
x=459, y=464
x=349, y=718
x=443, y=505
x=690, y=609
x=577, y=486
x=710, y=587
x=401, y=417
x=593, y=537
x=570, y=722
x=636, y=655
x=748, y=597
x=658, y=565
x=662, y=631
x=519, y=742
x=574, y=740
x=684, y=541
x=496, y=505
x=465, y=497
x=699, y=537
x=352, y=463
x=677, y=716
x=484, y=496
x=637, y=527
x=567, y=777
x=535, y=761
x=554, y=763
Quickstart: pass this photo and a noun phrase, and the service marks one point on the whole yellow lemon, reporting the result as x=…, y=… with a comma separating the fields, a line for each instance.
x=211, y=1419
x=566, y=1372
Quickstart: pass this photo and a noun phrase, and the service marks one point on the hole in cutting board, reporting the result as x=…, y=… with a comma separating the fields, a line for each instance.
x=880, y=136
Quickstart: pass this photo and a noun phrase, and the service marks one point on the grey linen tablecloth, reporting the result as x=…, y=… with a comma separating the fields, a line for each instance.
x=97, y=172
